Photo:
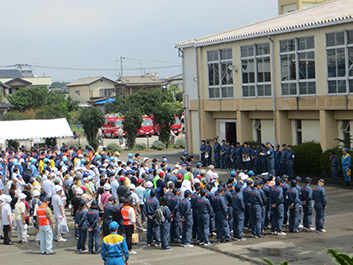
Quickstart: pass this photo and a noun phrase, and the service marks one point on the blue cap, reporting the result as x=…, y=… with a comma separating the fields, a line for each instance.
x=199, y=164
x=113, y=225
x=45, y=160
x=111, y=158
x=83, y=160
x=15, y=163
x=223, y=140
x=150, y=170
x=164, y=160
x=184, y=165
x=129, y=154
x=251, y=173
x=169, y=168
x=233, y=173
x=345, y=149
x=99, y=157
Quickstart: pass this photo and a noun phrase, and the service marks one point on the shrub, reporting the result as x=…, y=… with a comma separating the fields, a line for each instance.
x=307, y=158
x=140, y=146
x=113, y=147
x=180, y=143
x=158, y=145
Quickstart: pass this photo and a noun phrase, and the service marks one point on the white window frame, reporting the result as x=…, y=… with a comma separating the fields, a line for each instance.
x=256, y=84
x=220, y=86
x=297, y=81
x=345, y=78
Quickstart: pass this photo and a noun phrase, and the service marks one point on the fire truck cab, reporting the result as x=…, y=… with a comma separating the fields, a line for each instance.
x=113, y=122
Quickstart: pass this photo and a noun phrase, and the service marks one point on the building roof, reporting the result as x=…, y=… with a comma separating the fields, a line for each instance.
x=175, y=77
x=88, y=81
x=4, y=85
x=10, y=73
x=19, y=80
x=330, y=13
x=140, y=80
x=5, y=105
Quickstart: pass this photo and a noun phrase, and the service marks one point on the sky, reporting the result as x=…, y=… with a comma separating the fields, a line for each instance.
x=74, y=39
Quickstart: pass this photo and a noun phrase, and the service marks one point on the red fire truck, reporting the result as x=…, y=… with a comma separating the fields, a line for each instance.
x=176, y=127
x=147, y=126
x=113, y=122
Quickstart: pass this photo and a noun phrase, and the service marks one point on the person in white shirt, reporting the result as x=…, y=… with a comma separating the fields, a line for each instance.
x=59, y=214
x=20, y=210
x=136, y=202
x=6, y=220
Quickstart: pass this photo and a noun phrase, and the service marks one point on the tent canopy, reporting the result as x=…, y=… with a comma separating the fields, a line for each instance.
x=34, y=129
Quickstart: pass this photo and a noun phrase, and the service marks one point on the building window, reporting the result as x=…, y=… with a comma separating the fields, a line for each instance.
x=220, y=75
x=77, y=92
x=256, y=70
x=339, y=50
x=346, y=130
x=298, y=66
x=257, y=127
x=299, y=131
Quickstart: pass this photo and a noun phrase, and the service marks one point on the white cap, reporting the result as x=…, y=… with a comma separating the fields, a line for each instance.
x=149, y=184
x=79, y=191
x=132, y=186
x=22, y=196
x=8, y=198
x=105, y=165
x=58, y=188
x=245, y=177
x=36, y=193
x=80, y=155
x=215, y=175
x=241, y=174
x=107, y=186
x=91, y=166
x=197, y=181
x=145, y=158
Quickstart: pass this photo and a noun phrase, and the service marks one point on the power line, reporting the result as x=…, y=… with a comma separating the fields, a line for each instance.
x=102, y=69
x=146, y=60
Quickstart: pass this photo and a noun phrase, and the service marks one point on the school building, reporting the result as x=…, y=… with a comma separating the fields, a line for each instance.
x=288, y=79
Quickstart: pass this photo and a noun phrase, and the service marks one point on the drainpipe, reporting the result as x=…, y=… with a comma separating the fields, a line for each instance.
x=198, y=97
x=273, y=89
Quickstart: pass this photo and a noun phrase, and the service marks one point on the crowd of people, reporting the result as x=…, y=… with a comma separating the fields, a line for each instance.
x=178, y=204
x=256, y=157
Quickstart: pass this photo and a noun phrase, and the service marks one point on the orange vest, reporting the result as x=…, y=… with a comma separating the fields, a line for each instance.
x=42, y=217
x=125, y=214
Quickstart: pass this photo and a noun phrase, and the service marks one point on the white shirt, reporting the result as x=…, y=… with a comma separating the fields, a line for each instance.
x=135, y=198
x=6, y=211
x=57, y=202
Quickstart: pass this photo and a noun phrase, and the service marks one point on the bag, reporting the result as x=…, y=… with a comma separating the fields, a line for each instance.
x=71, y=193
x=159, y=215
x=135, y=238
x=64, y=226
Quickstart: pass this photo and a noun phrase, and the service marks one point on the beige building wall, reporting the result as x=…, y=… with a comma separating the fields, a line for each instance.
x=82, y=96
x=286, y=6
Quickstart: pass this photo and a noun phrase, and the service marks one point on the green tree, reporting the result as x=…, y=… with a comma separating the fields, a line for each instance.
x=179, y=96
x=72, y=105
x=58, y=84
x=132, y=123
x=164, y=115
x=54, y=111
x=91, y=119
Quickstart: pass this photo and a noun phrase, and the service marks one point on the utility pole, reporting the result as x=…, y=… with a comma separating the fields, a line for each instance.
x=121, y=65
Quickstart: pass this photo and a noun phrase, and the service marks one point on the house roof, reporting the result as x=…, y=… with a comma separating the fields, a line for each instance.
x=10, y=73
x=329, y=13
x=4, y=85
x=19, y=80
x=5, y=105
x=176, y=77
x=88, y=81
x=139, y=80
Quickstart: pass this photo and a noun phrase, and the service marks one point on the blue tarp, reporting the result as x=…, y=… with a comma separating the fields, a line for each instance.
x=105, y=101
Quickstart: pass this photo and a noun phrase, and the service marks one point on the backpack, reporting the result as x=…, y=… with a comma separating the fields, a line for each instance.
x=70, y=193
x=159, y=215
x=117, y=216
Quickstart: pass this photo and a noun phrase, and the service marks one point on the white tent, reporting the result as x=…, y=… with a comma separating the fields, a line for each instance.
x=34, y=129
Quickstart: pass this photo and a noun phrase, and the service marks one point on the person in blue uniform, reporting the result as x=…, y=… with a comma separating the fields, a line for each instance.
x=194, y=197
x=290, y=161
x=246, y=195
x=204, y=210
x=238, y=213
x=276, y=202
x=151, y=205
x=246, y=159
x=175, y=226
x=256, y=204
x=221, y=213
x=278, y=169
x=346, y=166
x=186, y=219
x=320, y=204
x=283, y=160
x=208, y=154
x=228, y=199
x=202, y=152
x=306, y=197
x=334, y=167
x=263, y=160
x=109, y=211
x=239, y=156
x=82, y=226
x=210, y=196
x=223, y=154
x=253, y=156
x=300, y=212
x=270, y=159
x=93, y=228
x=165, y=226
x=267, y=190
x=233, y=159
x=257, y=161
x=114, y=249
x=217, y=153
x=285, y=187
x=228, y=154
x=293, y=202
x=263, y=208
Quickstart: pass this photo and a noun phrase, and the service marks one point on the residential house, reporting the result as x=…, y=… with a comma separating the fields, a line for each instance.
x=128, y=85
x=90, y=89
